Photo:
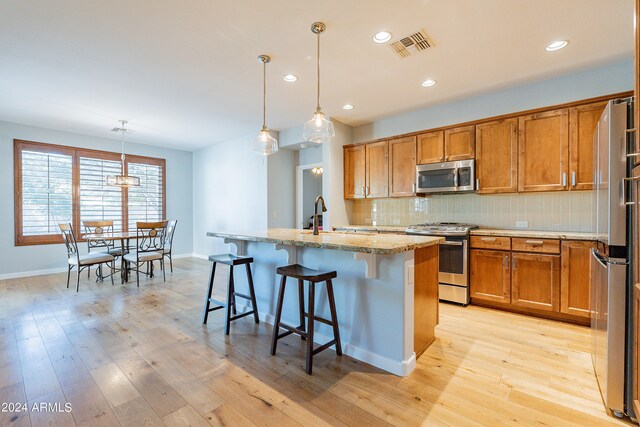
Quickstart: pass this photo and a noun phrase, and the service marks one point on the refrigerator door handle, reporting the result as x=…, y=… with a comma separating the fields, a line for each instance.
x=597, y=256
x=624, y=189
x=605, y=260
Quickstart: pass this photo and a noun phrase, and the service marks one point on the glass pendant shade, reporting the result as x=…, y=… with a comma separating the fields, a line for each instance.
x=264, y=144
x=318, y=130
x=123, y=181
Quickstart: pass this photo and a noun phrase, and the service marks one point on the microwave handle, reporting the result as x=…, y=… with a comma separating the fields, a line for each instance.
x=455, y=177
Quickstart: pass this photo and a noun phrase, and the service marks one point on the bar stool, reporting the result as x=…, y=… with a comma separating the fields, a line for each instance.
x=231, y=261
x=303, y=274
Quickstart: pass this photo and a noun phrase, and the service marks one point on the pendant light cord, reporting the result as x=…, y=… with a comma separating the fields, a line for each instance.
x=318, y=62
x=264, y=95
x=122, y=147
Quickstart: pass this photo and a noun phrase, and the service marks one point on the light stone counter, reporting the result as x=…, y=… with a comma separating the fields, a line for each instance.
x=565, y=235
x=371, y=228
x=381, y=244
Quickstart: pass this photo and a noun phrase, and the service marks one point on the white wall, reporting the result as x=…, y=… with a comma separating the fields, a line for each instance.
x=311, y=188
x=603, y=80
x=229, y=192
x=338, y=209
x=19, y=259
x=281, y=185
x=310, y=156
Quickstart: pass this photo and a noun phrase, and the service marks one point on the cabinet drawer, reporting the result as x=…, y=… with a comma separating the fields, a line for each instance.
x=545, y=246
x=491, y=242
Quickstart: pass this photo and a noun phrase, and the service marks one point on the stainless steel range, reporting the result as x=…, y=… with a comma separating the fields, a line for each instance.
x=454, y=257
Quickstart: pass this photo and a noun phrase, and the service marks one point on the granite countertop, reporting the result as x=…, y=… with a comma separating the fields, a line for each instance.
x=382, y=244
x=566, y=235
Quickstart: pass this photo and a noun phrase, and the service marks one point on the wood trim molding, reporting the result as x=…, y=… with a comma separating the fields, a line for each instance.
x=571, y=104
x=75, y=152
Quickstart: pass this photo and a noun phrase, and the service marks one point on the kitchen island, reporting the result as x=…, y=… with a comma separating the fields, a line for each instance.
x=386, y=291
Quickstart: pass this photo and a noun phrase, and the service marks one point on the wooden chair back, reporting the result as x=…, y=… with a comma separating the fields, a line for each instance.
x=98, y=227
x=152, y=236
x=69, y=240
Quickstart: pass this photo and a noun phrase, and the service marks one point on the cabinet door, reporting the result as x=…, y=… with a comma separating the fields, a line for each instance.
x=489, y=277
x=377, y=169
x=535, y=281
x=497, y=157
x=543, y=144
x=460, y=143
x=431, y=147
x=582, y=124
x=354, y=172
x=402, y=167
x=575, y=281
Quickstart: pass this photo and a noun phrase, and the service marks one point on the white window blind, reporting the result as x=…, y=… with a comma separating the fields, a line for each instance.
x=47, y=197
x=145, y=201
x=98, y=201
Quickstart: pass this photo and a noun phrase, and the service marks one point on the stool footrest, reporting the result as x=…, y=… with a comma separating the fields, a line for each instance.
x=319, y=319
x=324, y=347
x=292, y=330
x=239, y=316
x=238, y=294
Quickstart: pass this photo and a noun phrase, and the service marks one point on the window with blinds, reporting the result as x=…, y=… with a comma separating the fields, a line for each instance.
x=146, y=201
x=99, y=201
x=56, y=184
x=46, y=192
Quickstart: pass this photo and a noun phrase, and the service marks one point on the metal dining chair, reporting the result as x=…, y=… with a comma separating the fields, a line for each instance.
x=151, y=239
x=100, y=227
x=171, y=228
x=74, y=259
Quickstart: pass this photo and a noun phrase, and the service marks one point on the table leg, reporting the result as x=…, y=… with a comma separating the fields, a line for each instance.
x=123, y=274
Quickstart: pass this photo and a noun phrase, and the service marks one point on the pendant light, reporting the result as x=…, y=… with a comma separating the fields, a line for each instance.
x=264, y=143
x=122, y=180
x=319, y=129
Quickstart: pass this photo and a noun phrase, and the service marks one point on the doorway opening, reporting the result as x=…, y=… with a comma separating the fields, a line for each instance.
x=309, y=186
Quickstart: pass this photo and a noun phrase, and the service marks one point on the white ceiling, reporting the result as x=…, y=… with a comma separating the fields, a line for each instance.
x=186, y=75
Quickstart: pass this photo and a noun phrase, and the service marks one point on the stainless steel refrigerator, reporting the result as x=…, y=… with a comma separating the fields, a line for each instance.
x=610, y=290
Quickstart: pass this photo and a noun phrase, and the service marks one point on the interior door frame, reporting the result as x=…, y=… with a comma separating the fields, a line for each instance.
x=299, y=174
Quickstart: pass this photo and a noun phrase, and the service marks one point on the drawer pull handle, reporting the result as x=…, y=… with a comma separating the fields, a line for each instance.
x=488, y=239
x=534, y=242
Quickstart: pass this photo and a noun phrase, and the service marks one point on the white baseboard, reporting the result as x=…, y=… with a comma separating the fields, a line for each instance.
x=402, y=369
x=200, y=256
x=20, y=274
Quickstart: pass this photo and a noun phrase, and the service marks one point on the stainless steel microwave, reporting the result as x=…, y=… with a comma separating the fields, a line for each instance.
x=448, y=177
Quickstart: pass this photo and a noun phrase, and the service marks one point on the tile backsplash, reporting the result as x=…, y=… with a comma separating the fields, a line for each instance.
x=553, y=211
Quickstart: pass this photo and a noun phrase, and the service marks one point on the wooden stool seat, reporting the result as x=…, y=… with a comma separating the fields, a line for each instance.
x=230, y=260
x=298, y=271
x=304, y=274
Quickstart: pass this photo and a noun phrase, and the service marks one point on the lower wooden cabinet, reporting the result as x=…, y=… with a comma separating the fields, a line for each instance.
x=535, y=281
x=555, y=285
x=489, y=279
x=575, y=282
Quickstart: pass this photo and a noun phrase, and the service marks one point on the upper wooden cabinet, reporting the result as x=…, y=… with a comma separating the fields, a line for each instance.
x=497, y=157
x=535, y=281
x=430, y=147
x=402, y=167
x=543, y=144
x=575, y=281
x=582, y=125
x=377, y=169
x=459, y=143
x=354, y=172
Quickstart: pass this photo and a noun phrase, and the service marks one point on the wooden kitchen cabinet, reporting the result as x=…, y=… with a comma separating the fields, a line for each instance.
x=377, y=169
x=583, y=121
x=575, y=281
x=497, y=157
x=543, y=151
x=402, y=167
x=354, y=172
x=535, y=281
x=460, y=143
x=430, y=147
x=489, y=278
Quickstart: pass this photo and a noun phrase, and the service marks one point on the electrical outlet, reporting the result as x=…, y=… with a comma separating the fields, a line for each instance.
x=522, y=224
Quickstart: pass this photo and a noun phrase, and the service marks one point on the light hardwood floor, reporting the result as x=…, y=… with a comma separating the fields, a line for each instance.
x=131, y=356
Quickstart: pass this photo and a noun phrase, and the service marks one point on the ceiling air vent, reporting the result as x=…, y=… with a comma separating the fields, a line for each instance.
x=413, y=43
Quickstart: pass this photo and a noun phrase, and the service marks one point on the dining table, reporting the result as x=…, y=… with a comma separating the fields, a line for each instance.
x=112, y=236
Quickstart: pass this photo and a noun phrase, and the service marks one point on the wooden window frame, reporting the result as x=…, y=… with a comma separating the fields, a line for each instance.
x=20, y=145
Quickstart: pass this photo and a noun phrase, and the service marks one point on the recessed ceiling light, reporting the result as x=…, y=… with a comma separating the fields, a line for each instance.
x=428, y=83
x=347, y=107
x=382, y=37
x=556, y=45
x=289, y=78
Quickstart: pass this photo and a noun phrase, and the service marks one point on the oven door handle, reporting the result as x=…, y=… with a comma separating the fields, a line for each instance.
x=451, y=243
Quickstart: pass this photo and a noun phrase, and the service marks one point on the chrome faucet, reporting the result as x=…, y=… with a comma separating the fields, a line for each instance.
x=315, y=214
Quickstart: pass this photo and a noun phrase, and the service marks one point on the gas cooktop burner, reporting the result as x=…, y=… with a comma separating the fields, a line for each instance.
x=441, y=228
